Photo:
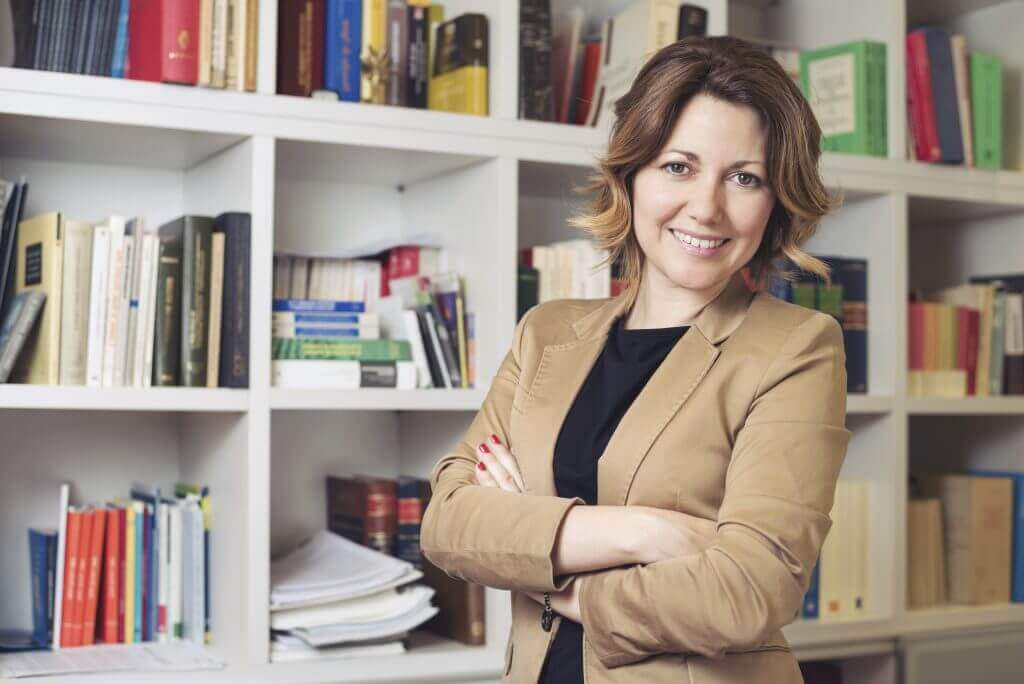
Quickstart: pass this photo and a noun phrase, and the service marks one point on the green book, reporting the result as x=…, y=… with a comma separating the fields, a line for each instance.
x=846, y=87
x=987, y=110
x=331, y=349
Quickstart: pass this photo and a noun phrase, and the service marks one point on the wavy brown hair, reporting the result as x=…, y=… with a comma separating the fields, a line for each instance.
x=731, y=70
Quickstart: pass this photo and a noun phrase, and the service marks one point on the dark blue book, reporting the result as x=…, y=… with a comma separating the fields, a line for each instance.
x=151, y=570
x=413, y=493
x=307, y=305
x=315, y=331
x=234, y=327
x=947, y=115
x=852, y=275
x=342, y=46
x=38, y=543
x=120, y=41
x=51, y=582
x=1017, y=544
x=321, y=317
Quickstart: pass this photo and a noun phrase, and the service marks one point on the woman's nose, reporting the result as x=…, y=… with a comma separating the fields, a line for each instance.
x=704, y=202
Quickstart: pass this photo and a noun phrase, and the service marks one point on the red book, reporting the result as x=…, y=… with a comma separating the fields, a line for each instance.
x=967, y=344
x=591, y=60
x=927, y=142
x=93, y=565
x=108, y=628
x=915, y=338
x=81, y=578
x=121, y=526
x=74, y=534
x=163, y=41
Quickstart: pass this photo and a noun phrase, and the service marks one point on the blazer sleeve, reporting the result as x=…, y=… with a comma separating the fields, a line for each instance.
x=488, y=535
x=771, y=524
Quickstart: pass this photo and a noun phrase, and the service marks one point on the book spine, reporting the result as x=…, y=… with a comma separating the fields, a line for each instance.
x=37, y=549
x=167, y=324
x=111, y=577
x=398, y=51
x=99, y=528
x=234, y=368
x=120, y=53
x=195, y=304
x=311, y=305
x=74, y=536
x=82, y=576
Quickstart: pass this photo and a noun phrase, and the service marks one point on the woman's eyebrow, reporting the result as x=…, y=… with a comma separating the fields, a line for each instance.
x=693, y=156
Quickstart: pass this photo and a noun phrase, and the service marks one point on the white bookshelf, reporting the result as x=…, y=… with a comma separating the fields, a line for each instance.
x=331, y=176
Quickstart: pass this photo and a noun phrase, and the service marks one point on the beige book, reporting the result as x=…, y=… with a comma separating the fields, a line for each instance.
x=74, y=339
x=830, y=579
x=40, y=267
x=981, y=297
x=252, y=32
x=216, y=306
x=114, y=285
x=219, y=43
x=205, y=42
x=237, y=56
x=961, y=74
x=926, y=576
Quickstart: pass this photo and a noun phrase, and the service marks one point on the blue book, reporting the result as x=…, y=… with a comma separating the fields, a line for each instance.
x=947, y=117
x=120, y=42
x=810, y=607
x=1017, y=543
x=140, y=524
x=320, y=331
x=342, y=45
x=38, y=551
x=152, y=570
x=307, y=305
x=319, y=317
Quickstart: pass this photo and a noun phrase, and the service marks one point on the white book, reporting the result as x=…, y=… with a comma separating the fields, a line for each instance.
x=198, y=576
x=145, y=303
x=219, y=44
x=216, y=309
x=98, y=305
x=147, y=372
x=205, y=42
x=189, y=510
x=343, y=375
x=58, y=593
x=163, y=574
x=237, y=42
x=77, y=281
x=137, y=229
x=299, y=287
x=282, y=277
x=175, y=599
x=419, y=354
x=124, y=303
x=115, y=280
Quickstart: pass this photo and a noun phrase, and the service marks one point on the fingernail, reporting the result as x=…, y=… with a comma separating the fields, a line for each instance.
x=483, y=448
x=494, y=438
x=480, y=465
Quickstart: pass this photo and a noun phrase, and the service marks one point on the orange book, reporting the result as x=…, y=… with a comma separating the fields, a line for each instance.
x=81, y=577
x=92, y=587
x=111, y=577
x=74, y=533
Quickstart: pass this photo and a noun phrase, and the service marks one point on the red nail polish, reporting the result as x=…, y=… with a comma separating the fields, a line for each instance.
x=480, y=465
x=494, y=438
x=483, y=448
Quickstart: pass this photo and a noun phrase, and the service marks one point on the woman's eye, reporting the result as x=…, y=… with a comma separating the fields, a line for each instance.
x=670, y=166
x=752, y=180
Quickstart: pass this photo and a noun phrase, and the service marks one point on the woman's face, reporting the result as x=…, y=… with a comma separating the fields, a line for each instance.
x=701, y=206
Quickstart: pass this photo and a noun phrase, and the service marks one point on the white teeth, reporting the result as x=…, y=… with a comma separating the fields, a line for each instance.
x=703, y=244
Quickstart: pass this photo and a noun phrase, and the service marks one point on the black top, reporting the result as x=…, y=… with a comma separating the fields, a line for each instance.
x=628, y=360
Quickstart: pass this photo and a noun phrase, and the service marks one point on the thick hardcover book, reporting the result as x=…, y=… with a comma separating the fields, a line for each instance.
x=193, y=233
x=38, y=545
x=417, y=75
x=17, y=326
x=944, y=101
x=536, y=98
x=342, y=45
x=167, y=333
x=163, y=41
x=364, y=510
x=459, y=80
x=300, y=47
x=41, y=269
x=234, y=332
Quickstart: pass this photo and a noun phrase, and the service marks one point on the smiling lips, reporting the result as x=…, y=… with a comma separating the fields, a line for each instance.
x=696, y=245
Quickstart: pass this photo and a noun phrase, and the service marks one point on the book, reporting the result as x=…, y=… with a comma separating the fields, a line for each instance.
x=459, y=80
x=163, y=41
x=40, y=269
x=300, y=47
x=342, y=44
x=17, y=327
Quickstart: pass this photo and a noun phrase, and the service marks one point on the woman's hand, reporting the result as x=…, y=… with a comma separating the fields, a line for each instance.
x=566, y=602
x=497, y=467
x=662, y=534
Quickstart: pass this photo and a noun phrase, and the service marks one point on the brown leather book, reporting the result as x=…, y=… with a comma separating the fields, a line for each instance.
x=365, y=510
x=300, y=47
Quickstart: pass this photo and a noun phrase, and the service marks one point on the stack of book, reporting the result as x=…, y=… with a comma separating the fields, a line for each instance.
x=395, y=52
x=331, y=597
x=954, y=101
x=965, y=538
x=124, y=305
x=845, y=299
x=968, y=340
x=211, y=43
x=840, y=585
x=385, y=514
x=129, y=571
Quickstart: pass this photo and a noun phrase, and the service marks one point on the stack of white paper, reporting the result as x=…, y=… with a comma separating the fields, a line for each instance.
x=286, y=648
x=173, y=656
x=333, y=591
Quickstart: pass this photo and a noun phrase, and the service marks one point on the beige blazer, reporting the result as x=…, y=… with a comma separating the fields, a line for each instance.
x=743, y=423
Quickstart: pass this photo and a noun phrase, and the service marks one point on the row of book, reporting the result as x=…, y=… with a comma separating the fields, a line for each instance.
x=965, y=538
x=128, y=571
x=210, y=43
x=967, y=340
x=385, y=514
x=566, y=269
x=120, y=304
x=840, y=585
x=954, y=100
x=395, y=52
x=845, y=299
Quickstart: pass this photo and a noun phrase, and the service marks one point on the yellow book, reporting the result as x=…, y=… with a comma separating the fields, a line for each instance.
x=374, y=44
x=435, y=17
x=458, y=80
x=129, y=573
x=40, y=267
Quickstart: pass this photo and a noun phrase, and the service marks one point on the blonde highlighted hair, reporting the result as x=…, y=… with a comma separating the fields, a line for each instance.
x=731, y=70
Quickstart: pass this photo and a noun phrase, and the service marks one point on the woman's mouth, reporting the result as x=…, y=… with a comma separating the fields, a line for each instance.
x=697, y=246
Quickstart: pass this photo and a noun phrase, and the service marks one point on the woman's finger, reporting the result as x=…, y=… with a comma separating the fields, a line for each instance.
x=484, y=477
x=507, y=460
x=496, y=469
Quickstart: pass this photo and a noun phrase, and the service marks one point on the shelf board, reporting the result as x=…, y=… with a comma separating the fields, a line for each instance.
x=967, y=406
x=808, y=635
x=376, y=399
x=868, y=403
x=955, y=618
x=79, y=398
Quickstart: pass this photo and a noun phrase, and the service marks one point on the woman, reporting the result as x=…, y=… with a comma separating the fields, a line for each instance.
x=651, y=474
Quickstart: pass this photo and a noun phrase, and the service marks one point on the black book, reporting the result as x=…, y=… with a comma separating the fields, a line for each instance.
x=416, y=81
x=8, y=244
x=536, y=98
x=433, y=354
x=167, y=321
x=693, y=21
x=234, y=330
x=25, y=18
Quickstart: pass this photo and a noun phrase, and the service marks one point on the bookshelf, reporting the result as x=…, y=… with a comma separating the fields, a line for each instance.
x=330, y=176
